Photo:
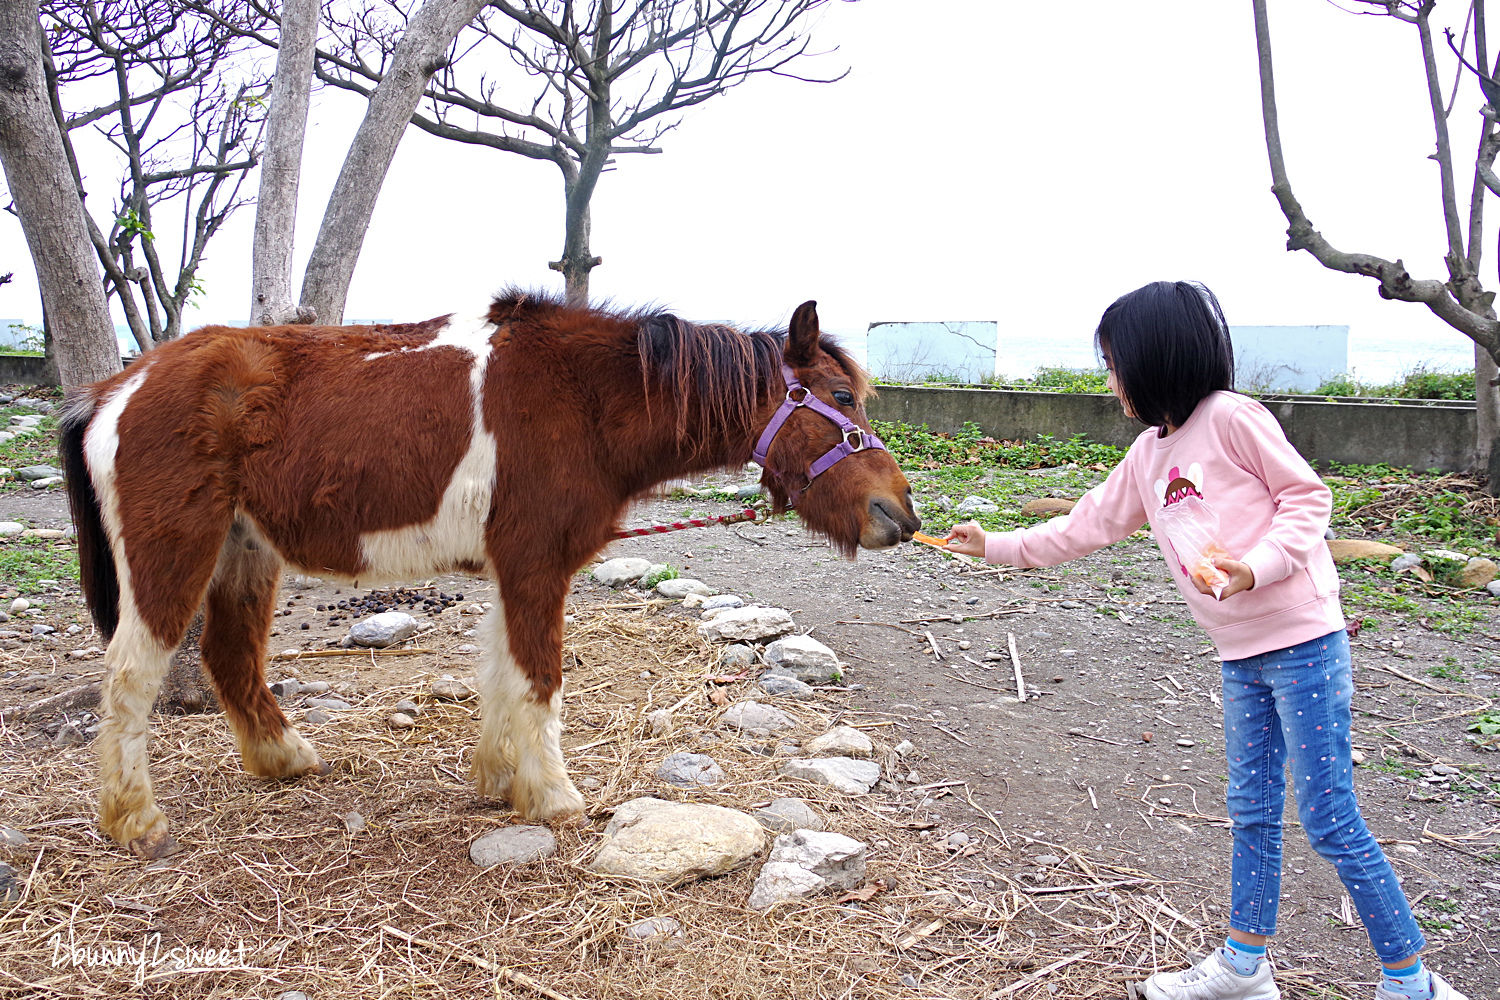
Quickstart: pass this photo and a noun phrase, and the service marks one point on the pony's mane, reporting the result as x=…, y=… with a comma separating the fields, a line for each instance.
x=720, y=367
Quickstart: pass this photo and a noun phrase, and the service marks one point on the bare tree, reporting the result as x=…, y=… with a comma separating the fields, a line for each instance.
x=1460, y=299
x=419, y=47
x=182, y=116
x=48, y=204
x=601, y=78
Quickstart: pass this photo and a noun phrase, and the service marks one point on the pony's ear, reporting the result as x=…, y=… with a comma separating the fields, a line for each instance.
x=802, y=336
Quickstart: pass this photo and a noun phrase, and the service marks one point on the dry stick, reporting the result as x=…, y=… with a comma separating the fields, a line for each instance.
x=1038, y=974
x=933, y=642
x=1430, y=687
x=1098, y=739
x=509, y=975
x=312, y=653
x=1015, y=661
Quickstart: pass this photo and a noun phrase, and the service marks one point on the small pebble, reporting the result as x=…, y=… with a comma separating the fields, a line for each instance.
x=1147, y=737
x=400, y=720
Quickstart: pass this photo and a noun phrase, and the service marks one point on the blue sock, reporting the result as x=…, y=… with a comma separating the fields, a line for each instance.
x=1414, y=982
x=1243, y=958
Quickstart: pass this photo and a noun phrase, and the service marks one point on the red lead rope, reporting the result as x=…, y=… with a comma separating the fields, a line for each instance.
x=748, y=514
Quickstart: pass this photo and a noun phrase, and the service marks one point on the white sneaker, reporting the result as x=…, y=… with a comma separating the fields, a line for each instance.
x=1440, y=990
x=1214, y=979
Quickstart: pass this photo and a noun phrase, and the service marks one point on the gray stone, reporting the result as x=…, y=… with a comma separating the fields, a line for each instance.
x=31, y=473
x=293, y=995
x=400, y=720
x=354, y=822
x=722, y=601
x=70, y=734
x=41, y=629
x=11, y=527
x=805, y=658
x=447, y=688
x=808, y=862
x=18, y=605
x=786, y=815
x=748, y=715
x=12, y=838
x=658, y=932
x=970, y=505
x=747, y=624
x=42, y=484
x=852, y=777
x=10, y=884
x=785, y=685
x=841, y=741
x=407, y=707
x=672, y=842
x=1405, y=561
x=315, y=687
x=689, y=770
x=513, y=845
x=331, y=704
x=735, y=657
x=286, y=687
x=679, y=588
x=904, y=748
x=1047, y=860
x=621, y=572
x=316, y=717
x=747, y=491
x=1493, y=587
x=384, y=629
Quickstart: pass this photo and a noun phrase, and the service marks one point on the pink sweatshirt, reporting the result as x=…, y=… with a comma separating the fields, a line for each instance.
x=1272, y=508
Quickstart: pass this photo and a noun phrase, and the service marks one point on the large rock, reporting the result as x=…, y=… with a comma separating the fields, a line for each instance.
x=689, y=770
x=1047, y=506
x=784, y=684
x=807, y=862
x=384, y=629
x=1477, y=572
x=971, y=505
x=513, y=845
x=749, y=624
x=852, y=777
x=678, y=588
x=671, y=842
x=621, y=572
x=804, y=658
x=1348, y=549
x=31, y=473
x=754, y=715
x=786, y=815
x=841, y=741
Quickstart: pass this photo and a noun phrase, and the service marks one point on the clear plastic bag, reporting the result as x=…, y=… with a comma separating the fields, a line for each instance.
x=1192, y=527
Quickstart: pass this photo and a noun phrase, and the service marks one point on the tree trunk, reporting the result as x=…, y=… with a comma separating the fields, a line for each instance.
x=1487, y=406
x=281, y=170
x=51, y=213
x=422, y=51
x=577, y=260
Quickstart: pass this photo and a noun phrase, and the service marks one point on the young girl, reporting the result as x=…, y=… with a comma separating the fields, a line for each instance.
x=1272, y=610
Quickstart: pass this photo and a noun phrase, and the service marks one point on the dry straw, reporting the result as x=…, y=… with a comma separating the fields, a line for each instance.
x=398, y=909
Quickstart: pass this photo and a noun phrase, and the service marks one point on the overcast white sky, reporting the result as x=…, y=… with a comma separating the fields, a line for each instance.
x=1025, y=163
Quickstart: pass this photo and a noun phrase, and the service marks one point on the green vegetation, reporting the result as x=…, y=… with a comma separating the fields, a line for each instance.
x=29, y=340
x=24, y=562
x=28, y=449
x=1075, y=380
x=1487, y=724
x=665, y=573
x=1418, y=383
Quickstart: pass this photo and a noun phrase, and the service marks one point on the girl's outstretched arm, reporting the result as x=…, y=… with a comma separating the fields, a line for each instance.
x=1105, y=514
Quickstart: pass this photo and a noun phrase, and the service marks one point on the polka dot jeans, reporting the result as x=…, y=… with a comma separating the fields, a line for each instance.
x=1287, y=712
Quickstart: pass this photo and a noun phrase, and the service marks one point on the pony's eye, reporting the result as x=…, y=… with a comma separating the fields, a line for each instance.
x=844, y=398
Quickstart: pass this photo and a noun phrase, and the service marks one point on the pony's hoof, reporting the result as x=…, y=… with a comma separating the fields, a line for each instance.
x=556, y=806
x=154, y=845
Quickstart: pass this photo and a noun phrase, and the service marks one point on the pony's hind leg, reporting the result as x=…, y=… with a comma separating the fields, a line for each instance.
x=137, y=660
x=519, y=755
x=236, y=622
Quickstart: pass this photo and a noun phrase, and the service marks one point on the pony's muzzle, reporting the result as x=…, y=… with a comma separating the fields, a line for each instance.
x=889, y=523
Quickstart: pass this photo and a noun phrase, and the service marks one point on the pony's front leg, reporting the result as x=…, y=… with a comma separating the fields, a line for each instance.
x=520, y=679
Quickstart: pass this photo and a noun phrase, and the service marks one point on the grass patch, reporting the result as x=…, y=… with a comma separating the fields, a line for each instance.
x=25, y=562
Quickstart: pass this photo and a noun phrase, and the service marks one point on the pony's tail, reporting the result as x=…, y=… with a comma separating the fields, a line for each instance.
x=96, y=561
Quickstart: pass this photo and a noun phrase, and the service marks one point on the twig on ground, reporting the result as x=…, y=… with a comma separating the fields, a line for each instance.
x=1015, y=662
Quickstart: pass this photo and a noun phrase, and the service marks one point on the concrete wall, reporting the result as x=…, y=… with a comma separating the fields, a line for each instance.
x=1414, y=435
x=24, y=369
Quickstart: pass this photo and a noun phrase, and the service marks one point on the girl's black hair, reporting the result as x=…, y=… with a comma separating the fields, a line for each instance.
x=1169, y=347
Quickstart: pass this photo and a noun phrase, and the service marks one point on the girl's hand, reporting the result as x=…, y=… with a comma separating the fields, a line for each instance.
x=966, y=539
x=1241, y=577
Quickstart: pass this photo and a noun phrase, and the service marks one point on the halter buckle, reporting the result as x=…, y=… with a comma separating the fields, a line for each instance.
x=854, y=438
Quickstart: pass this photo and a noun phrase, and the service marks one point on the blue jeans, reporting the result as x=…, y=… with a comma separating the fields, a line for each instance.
x=1289, y=709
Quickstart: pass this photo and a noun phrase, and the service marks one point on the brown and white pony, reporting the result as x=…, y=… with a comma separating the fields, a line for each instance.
x=507, y=443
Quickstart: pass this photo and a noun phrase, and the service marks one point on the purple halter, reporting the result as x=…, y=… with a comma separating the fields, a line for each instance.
x=797, y=394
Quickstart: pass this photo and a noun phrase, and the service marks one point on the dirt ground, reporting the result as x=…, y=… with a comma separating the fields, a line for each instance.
x=1116, y=755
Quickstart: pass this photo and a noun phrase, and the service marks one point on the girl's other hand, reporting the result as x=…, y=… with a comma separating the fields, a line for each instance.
x=966, y=539
x=1241, y=577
